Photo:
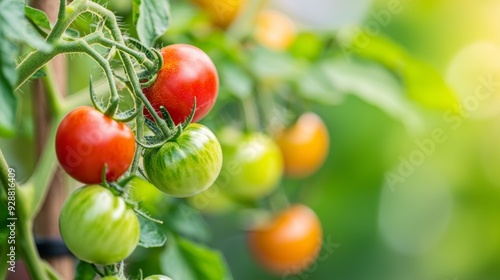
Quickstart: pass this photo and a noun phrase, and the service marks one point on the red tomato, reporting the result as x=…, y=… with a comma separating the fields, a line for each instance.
x=86, y=140
x=187, y=73
x=289, y=243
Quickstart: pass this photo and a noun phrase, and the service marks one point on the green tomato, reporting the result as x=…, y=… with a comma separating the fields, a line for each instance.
x=187, y=165
x=157, y=277
x=149, y=197
x=253, y=164
x=97, y=226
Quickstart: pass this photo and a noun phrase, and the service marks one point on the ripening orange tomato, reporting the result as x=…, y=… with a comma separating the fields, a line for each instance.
x=304, y=146
x=222, y=12
x=274, y=30
x=289, y=243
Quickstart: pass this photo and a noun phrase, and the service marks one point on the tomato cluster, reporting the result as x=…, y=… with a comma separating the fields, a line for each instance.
x=97, y=223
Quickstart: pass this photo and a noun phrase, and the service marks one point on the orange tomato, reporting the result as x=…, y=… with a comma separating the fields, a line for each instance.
x=289, y=243
x=304, y=145
x=222, y=12
x=274, y=30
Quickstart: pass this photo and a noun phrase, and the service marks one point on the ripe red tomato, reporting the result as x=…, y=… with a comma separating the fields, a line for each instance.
x=187, y=73
x=304, y=146
x=289, y=243
x=86, y=140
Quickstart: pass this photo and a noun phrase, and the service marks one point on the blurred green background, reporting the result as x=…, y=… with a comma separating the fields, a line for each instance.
x=394, y=202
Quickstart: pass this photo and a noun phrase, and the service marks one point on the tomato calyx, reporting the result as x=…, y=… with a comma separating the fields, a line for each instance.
x=166, y=130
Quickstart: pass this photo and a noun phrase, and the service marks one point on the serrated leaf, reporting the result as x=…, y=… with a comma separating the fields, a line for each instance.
x=151, y=19
x=151, y=235
x=186, y=260
x=37, y=16
x=84, y=271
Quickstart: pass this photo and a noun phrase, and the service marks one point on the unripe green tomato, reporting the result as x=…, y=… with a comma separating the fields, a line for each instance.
x=98, y=226
x=253, y=164
x=157, y=277
x=186, y=165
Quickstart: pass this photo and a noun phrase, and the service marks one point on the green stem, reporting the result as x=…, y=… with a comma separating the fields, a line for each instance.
x=139, y=123
x=53, y=275
x=62, y=9
x=251, y=116
x=53, y=94
x=104, y=64
x=139, y=56
x=28, y=250
x=42, y=176
x=112, y=25
x=38, y=58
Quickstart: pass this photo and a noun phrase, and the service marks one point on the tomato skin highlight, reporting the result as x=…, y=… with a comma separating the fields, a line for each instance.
x=187, y=73
x=304, y=145
x=289, y=243
x=97, y=226
x=253, y=165
x=187, y=165
x=86, y=140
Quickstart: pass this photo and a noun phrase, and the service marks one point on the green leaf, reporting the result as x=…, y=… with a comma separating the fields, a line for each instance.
x=375, y=85
x=38, y=17
x=84, y=271
x=424, y=84
x=187, y=221
x=151, y=235
x=151, y=19
x=235, y=80
x=186, y=260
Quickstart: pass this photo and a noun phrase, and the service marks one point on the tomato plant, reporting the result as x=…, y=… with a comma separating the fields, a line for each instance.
x=187, y=74
x=186, y=165
x=304, y=145
x=87, y=141
x=289, y=243
x=252, y=164
x=97, y=226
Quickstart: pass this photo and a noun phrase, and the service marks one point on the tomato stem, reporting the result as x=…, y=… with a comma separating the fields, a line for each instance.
x=250, y=114
x=28, y=250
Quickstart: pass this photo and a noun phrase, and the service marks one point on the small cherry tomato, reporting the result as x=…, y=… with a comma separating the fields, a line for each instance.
x=187, y=73
x=274, y=30
x=222, y=12
x=289, y=243
x=252, y=167
x=98, y=226
x=86, y=140
x=304, y=146
x=186, y=165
